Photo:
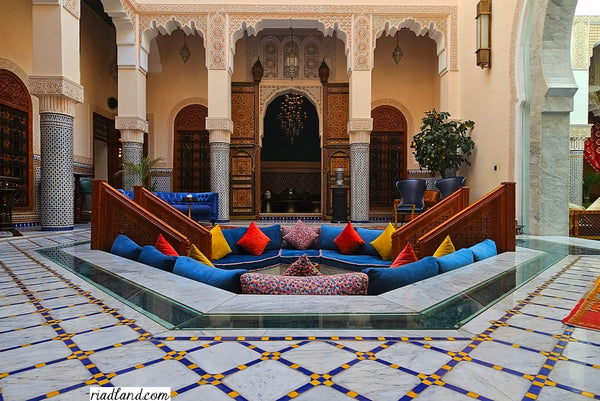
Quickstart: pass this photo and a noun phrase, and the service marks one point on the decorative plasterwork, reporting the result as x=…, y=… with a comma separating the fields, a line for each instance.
x=17, y=70
x=56, y=86
x=580, y=57
x=268, y=92
x=359, y=130
x=73, y=6
x=131, y=123
x=578, y=133
x=217, y=41
x=132, y=136
x=218, y=123
x=362, y=48
x=57, y=104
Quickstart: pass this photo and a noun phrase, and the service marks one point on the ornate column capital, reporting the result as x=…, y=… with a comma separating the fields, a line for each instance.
x=132, y=135
x=131, y=123
x=578, y=133
x=219, y=129
x=359, y=130
x=57, y=94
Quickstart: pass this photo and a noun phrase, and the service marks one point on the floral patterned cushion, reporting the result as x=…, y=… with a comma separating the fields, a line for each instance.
x=340, y=284
x=285, y=230
x=302, y=267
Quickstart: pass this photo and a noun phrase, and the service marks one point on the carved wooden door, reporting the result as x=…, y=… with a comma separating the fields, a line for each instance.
x=242, y=182
x=191, y=155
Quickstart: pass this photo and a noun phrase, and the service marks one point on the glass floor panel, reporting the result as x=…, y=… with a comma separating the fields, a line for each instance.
x=450, y=314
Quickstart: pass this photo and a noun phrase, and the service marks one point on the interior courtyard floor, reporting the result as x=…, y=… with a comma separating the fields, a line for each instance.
x=59, y=334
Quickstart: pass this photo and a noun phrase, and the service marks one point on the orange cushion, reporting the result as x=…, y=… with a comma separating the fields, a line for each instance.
x=163, y=245
x=348, y=241
x=405, y=257
x=254, y=241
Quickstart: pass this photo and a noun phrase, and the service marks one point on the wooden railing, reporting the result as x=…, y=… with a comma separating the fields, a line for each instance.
x=197, y=234
x=585, y=224
x=431, y=218
x=492, y=216
x=113, y=213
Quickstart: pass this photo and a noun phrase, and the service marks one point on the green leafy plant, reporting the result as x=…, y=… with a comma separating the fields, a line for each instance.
x=142, y=170
x=442, y=145
x=589, y=180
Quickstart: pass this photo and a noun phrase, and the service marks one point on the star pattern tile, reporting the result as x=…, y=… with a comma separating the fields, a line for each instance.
x=57, y=338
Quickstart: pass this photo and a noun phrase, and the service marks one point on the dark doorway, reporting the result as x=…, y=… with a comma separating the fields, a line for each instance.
x=191, y=155
x=291, y=156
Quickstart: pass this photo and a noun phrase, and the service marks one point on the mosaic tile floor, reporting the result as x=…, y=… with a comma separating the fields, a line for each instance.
x=59, y=335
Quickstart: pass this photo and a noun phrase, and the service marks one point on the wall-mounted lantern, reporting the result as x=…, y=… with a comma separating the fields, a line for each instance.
x=484, y=33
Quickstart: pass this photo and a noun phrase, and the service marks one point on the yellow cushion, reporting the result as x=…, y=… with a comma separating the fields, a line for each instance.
x=220, y=247
x=383, y=243
x=445, y=248
x=197, y=254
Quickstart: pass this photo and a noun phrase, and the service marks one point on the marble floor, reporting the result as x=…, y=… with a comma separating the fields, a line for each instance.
x=59, y=335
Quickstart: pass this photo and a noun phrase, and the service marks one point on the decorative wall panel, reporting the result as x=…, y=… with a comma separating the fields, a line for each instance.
x=337, y=114
x=242, y=113
x=242, y=181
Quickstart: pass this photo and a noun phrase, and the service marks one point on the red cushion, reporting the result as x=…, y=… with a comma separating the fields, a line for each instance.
x=405, y=257
x=254, y=241
x=348, y=241
x=163, y=245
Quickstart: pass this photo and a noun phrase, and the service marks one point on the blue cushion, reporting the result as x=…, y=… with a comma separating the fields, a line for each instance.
x=368, y=235
x=327, y=236
x=386, y=279
x=155, y=258
x=274, y=234
x=232, y=236
x=292, y=255
x=225, y=279
x=455, y=260
x=483, y=250
x=247, y=261
x=352, y=262
x=125, y=247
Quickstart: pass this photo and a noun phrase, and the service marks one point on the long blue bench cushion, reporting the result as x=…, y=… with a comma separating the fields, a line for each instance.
x=368, y=235
x=484, y=250
x=125, y=247
x=128, y=194
x=274, y=234
x=232, y=236
x=455, y=260
x=352, y=262
x=292, y=255
x=328, y=235
x=385, y=279
x=155, y=258
x=225, y=279
x=247, y=261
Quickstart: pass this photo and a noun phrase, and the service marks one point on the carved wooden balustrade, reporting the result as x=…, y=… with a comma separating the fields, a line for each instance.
x=431, y=218
x=585, y=224
x=197, y=234
x=492, y=216
x=113, y=213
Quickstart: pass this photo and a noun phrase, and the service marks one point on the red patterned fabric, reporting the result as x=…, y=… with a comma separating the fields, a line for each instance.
x=405, y=257
x=254, y=241
x=302, y=267
x=349, y=240
x=285, y=230
x=300, y=236
x=163, y=245
x=591, y=152
x=339, y=284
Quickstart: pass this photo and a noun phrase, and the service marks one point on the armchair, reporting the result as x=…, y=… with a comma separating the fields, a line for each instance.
x=412, y=198
x=449, y=185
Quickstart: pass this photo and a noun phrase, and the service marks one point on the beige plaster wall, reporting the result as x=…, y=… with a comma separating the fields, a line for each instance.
x=178, y=85
x=98, y=50
x=485, y=96
x=16, y=35
x=242, y=67
x=412, y=86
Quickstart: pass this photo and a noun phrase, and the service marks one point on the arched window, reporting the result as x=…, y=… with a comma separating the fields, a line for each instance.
x=387, y=155
x=191, y=159
x=16, y=153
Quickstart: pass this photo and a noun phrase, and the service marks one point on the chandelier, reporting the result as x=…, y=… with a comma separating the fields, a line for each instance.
x=291, y=117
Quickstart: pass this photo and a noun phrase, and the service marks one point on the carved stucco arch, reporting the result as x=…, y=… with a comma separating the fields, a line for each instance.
x=171, y=123
x=268, y=93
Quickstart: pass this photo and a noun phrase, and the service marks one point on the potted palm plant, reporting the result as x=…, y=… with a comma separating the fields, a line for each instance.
x=142, y=170
x=442, y=145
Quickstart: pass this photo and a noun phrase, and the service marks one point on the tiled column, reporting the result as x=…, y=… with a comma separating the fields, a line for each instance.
x=578, y=134
x=219, y=137
x=132, y=145
x=360, y=131
x=57, y=182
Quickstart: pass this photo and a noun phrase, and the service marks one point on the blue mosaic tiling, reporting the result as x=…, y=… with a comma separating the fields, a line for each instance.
x=219, y=176
x=57, y=338
x=359, y=186
x=57, y=185
x=132, y=153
